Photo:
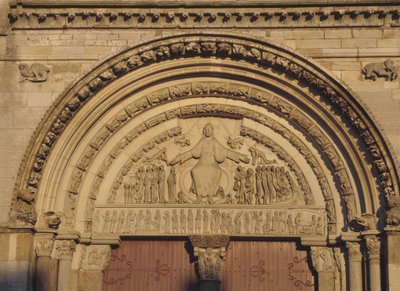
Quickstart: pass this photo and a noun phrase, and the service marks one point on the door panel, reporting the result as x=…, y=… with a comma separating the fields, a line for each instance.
x=259, y=266
x=165, y=265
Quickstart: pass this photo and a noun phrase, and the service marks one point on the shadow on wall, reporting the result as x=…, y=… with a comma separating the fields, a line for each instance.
x=13, y=275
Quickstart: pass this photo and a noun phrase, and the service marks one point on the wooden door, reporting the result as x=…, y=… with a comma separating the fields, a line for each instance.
x=166, y=265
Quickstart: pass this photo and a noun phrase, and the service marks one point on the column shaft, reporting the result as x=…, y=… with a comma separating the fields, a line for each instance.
x=42, y=279
x=64, y=275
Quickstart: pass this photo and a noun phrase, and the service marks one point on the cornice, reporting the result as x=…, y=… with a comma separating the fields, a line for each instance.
x=194, y=3
x=73, y=15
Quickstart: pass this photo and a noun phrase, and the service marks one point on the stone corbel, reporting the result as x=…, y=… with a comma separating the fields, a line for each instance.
x=209, y=252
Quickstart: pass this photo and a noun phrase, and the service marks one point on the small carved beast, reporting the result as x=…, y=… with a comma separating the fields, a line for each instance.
x=387, y=70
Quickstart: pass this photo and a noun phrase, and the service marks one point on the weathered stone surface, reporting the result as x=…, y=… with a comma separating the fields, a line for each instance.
x=341, y=41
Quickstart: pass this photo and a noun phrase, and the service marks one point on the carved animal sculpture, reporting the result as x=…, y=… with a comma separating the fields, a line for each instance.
x=387, y=70
x=393, y=214
x=33, y=73
x=53, y=219
x=25, y=195
x=367, y=221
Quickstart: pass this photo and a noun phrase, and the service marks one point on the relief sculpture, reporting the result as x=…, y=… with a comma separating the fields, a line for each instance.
x=234, y=221
x=243, y=172
x=206, y=173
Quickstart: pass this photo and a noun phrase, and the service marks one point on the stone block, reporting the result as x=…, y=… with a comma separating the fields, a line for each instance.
x=24, y=246
x=338, y=33
x=394, y=42
x=68, y=50
x=31, y=50
x=359, y=43
x=318, y=43
x=391, y=32
x=346, y=66
x=367, y=33
x=4, y=246
x=297, y=33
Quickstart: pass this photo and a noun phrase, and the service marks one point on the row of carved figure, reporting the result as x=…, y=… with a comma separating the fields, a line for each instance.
x=208, y=221
x=387, y=70
x=148, y=185
x=266, y=185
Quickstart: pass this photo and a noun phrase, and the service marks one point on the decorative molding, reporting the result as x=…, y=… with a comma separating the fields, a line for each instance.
x=219, y=47
x=203, y=16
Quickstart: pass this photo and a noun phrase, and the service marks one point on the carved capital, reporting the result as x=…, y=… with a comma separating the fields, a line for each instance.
x=322, y=259
x=210, y=255
x=354, y=251
x=65, y=249
x=373, y=247
x=96, y=258
x=43, y=246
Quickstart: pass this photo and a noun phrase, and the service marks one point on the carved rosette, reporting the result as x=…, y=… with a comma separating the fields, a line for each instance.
x=96, y=258
x=354, y=252
x=43, y=246
x=322, y=259
x=65, y=249
x=210, y=255
x=373, y=247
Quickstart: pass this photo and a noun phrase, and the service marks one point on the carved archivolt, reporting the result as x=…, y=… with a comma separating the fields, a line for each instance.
x=236, y=90
x=205, y=46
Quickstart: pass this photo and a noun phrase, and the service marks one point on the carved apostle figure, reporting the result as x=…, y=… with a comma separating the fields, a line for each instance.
x=206, y=174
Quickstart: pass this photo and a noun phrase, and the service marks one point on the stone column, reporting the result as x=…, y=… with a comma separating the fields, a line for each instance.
x=393, y=257
x=209, y=252
x=373, y=247
x=65, y=250
x=355, y=266
x=43, y=248
x=95, y=260
x=323, y=262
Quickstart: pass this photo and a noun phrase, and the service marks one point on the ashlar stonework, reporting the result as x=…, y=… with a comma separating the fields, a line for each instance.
x=204, y=123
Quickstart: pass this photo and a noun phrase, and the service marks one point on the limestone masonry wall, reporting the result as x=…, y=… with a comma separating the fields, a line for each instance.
x=71, y=52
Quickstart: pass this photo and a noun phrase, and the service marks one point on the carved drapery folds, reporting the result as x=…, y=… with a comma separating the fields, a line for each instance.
x=209, y=252
x=205, y=47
